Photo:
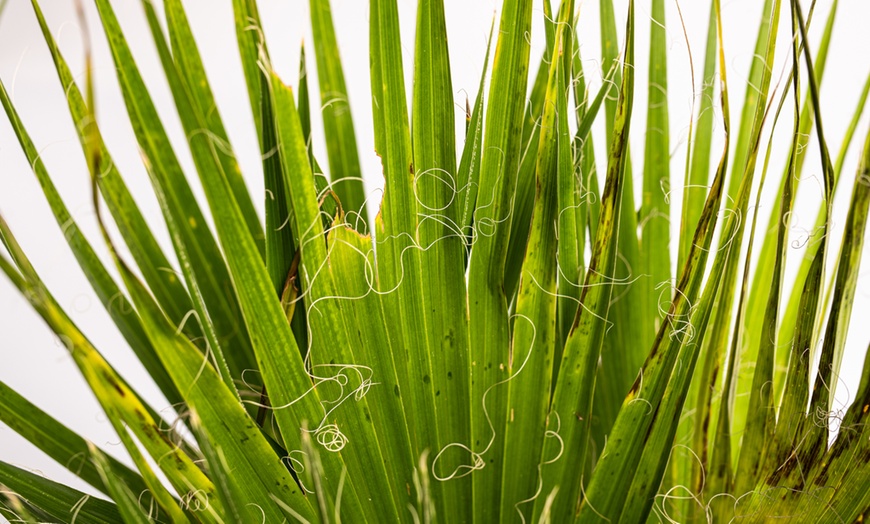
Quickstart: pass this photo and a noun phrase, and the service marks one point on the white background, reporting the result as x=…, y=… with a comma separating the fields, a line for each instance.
x=36, y=365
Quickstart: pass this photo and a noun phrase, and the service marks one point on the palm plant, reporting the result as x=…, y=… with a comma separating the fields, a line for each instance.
x=479, y=351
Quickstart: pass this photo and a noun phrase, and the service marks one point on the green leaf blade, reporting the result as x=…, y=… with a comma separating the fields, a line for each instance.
x=56, y=500
x=655, y=211
x=344, y=166
x=489, y=332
